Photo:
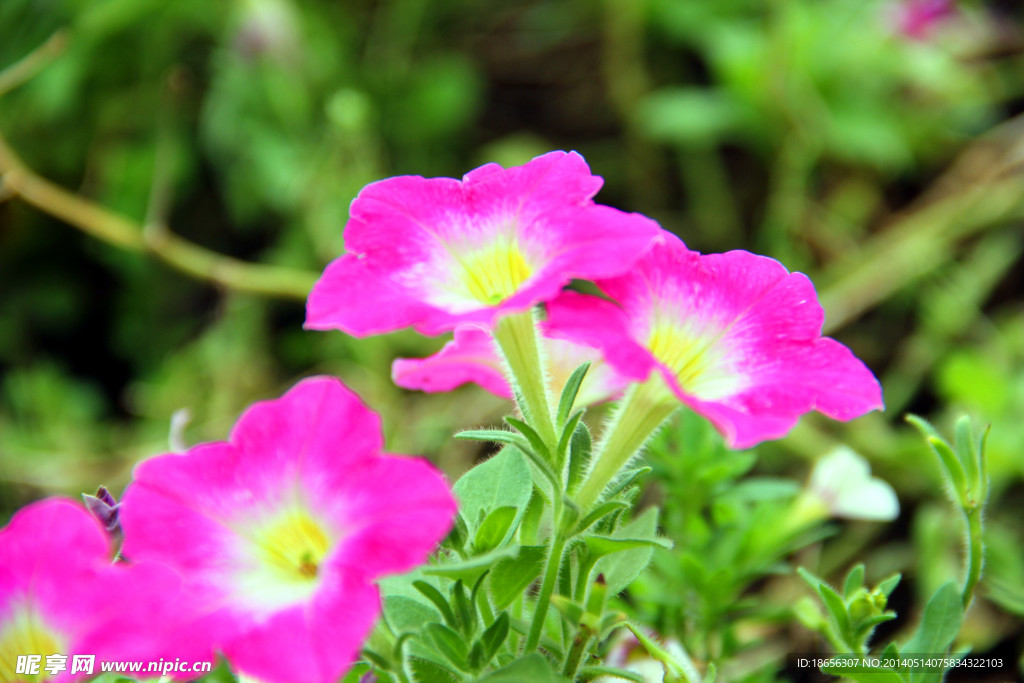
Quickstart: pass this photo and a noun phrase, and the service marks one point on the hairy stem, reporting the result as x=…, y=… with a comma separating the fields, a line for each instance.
x=580, y=647
x=516, y=334
x=975, y=552
x=551, y=569
x=641, y=412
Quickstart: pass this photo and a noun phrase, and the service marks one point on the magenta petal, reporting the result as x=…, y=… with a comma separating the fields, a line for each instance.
x=434, y=253
x=603, y=325
x=469, y=357
x=383, y=502
x=325, y=636
x=56, y=572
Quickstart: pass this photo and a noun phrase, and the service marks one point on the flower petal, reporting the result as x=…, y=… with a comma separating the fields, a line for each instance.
x=469, y=357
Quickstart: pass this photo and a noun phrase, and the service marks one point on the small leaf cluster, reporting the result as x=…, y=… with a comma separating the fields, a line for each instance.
x=738, y=529
x=464, y=617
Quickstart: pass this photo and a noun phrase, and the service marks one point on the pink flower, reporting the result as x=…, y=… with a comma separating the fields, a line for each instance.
x=433, y=253
x=916, y=19
x=472, y=357
x=281, y=530
x=735, y=336
x=61, y=595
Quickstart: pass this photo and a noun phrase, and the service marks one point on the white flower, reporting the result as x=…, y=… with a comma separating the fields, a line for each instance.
x=842, y=481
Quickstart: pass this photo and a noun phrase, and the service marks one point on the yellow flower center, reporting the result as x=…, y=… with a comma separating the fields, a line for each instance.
x=695, y=359
x=24, y=633
x=494, y=273
x=293, y=546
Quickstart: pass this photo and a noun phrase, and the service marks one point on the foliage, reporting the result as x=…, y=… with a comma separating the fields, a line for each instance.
x=884, y=167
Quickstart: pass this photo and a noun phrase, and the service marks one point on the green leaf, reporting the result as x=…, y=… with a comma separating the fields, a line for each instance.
x=567, y=434
x=405, y=615
x=864, y=627
x=376, y=659
x=888, y=585
x=625, y=480
x=465, y=612
x=569, y=392
x=580, y=446
x=940, y=622
x=536, y=443
x=495, y=435
x=496, y=529
x=476, y=656
x=494, y=637
x=621, y=568
x=354, y=675
x=951, y=465
x=435, y=596
x=967, y=450
x=588, y=673
x=471, y=569
x=836, y=608
x=570, y=609
x=509, y=578
x=522, y=627
x=598, y=513
x=449, y=643
x=426, y=671
x=529, y=527
x=854, y=580
x=533, y=668
x=502, y=481
x=606, y=545
x=811, y=580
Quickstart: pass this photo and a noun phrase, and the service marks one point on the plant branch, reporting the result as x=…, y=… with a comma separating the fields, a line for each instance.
x=28, y=66
x=120, y=231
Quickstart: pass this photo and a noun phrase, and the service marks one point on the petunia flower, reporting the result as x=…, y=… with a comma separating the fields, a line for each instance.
x=432, y=253
x=60, y=596
x=281, y=530
x=842, y=485
x=472, y=356
x=735, y=336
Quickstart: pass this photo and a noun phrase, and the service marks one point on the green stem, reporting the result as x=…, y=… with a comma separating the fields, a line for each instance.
x=517, y=336
x=547, y=586
x=28, y=66
x=975, y=552
x=580, y=646
x=641, y=412
x=120, y=231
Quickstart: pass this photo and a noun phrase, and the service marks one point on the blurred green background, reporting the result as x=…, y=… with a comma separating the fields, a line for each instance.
x=882, y=158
